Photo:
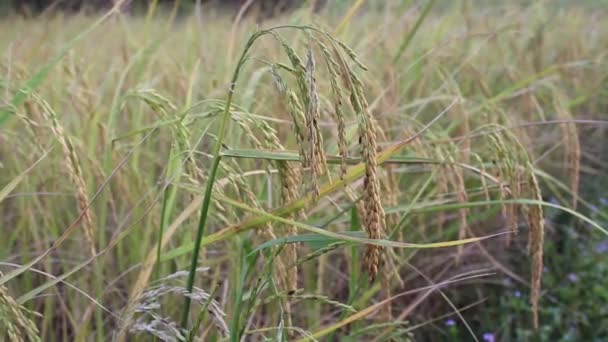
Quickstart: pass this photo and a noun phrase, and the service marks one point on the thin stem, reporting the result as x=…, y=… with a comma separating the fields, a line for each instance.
x=211, y=180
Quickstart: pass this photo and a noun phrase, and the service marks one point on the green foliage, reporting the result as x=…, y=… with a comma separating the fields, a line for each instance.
x=574, y=302
x=193, y=169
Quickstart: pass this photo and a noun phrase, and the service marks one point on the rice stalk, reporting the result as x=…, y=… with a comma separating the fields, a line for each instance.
x=318, y=164
x=537, y=237
x=31, y=123
x=166, y=110
x=522, y=183
x=290, y=180
x=374, y=220
x=334, y=72
x=296, y=112
x=15, y=321
x=71, y=162
x=509, y=175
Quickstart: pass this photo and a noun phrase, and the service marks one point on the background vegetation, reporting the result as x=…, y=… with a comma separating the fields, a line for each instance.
x=478, y=129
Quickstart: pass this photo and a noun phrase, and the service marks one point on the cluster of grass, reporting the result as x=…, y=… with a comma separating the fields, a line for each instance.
x=385, y=172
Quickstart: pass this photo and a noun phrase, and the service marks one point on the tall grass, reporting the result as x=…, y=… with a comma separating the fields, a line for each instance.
x=358, y=178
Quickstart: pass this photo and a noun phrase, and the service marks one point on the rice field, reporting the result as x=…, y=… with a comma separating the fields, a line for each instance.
x=399, y=171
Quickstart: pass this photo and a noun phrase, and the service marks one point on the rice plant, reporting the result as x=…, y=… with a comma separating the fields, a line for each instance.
x=355, y=176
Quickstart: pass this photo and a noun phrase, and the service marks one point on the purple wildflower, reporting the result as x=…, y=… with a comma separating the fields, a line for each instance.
x=604, y=200
x=572, y=277
x=517, y=294
x=602, y=247
x=450, y=323
x=488, y=337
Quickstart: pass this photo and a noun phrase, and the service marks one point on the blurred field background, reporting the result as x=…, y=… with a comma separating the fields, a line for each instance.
x=479, y=129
